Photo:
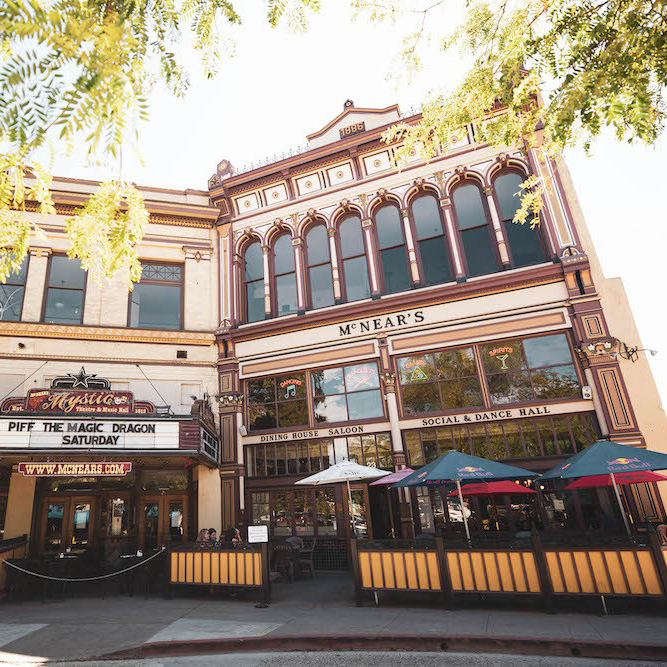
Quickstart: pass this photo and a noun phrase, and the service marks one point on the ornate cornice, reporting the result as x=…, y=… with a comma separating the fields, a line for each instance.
x=120, y=334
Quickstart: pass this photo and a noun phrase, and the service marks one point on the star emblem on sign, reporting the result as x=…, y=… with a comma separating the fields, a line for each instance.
x=81, y=378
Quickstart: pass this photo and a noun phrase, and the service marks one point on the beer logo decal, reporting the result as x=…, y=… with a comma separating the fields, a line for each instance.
x=422, y=474
x=362, y=377
x=417, y=372
x=469, y=469
x=622, y=461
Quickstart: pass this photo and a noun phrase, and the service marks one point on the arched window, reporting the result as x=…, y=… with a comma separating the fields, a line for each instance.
x=253, y=279
x=524, y=243
x=430, y=234
x=318, y=259
x=476, y=237
x=284, y=276
x=393, y=253
x=353, y=259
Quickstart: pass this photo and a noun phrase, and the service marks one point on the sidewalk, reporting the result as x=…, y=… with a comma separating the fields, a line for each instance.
x=92, y=627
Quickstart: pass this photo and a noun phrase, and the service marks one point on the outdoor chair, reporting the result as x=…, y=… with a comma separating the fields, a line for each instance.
x=661, y=530
x=283, y=560
x=296, y=542
x=306, y=558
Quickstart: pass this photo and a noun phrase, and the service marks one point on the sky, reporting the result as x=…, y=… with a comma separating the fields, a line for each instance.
x=281, y=86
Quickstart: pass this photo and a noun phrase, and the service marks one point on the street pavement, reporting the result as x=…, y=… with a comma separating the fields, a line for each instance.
x=87, y=627
x=364, y=659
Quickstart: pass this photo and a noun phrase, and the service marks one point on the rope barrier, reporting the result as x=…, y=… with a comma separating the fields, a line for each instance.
x=102, y=576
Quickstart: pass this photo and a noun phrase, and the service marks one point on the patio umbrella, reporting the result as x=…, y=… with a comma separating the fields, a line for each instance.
x=622, y=479
x=388, y=481
x=504, y=488
x=345, y=471
x=609, y=458
x=457, y=467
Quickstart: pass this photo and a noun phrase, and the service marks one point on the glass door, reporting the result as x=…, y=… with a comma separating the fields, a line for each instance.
x=150, y=523
x=162, y=519
x=53, y=526
x=67, y=524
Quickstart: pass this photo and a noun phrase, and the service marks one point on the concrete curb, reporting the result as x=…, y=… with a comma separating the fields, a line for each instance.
x=453, y=643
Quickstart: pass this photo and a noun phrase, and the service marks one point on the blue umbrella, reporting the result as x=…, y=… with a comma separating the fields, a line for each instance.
x=458, y=467
x=607, y=458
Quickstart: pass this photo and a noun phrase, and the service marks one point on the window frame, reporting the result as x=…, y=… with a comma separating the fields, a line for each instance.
x=307, y=266
x=273, y=285
x=310, y=398
x=483, y=379
x=247, y=404
x=489, y=225
x=376, y=240
x=341, y=260
x=504, y=223
x=417, y=241
x=244, y=282
x=25, y=285
x=163, y=282
x=45, y=295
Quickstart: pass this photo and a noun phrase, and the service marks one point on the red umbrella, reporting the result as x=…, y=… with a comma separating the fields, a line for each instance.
x=505, y=488
x=388, y=481
x=622, y=478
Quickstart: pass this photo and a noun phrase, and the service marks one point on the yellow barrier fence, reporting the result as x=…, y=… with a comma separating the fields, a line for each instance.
x=638, y=571
x=244, y=566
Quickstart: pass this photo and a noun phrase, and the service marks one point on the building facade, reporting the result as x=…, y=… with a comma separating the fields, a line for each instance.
x=387, y=315
x=107, y=437
x=320, y=307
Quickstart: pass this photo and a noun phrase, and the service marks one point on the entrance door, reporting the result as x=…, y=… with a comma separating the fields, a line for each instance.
x=67, y=524
x=162, y=519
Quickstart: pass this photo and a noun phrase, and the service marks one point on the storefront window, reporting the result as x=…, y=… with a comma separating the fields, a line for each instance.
x=164, y=480
x=446, y=380
x=309, y=456
x=275, y=402
x=325, y=508
x=358, y=513
x=11, y=294
x=516, y=439
x=282, y=513
x=155, y=302
x=303, y=513
x=347, y=393
x=259, y=506
x=533, y=368
x=65, y=291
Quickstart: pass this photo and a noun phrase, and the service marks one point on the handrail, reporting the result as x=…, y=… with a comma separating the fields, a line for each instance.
x=12, y=543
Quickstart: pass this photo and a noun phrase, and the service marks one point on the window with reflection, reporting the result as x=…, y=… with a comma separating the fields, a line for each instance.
x=540, y=367
x=318, y=261
x=353, y=259
x=524, y=242
x=253, y=281
x=277, y=402
x=65, y=289
x=308, y=456
x=11, y=293
x=347, y=393
x=392, y=248
x=156, y=301
x=433, y=248
x=446, y=380
x=476, y=234
x=284, y=276
x=514, y=439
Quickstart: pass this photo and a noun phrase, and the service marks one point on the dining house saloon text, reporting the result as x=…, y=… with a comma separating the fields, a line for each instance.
x=54, y=433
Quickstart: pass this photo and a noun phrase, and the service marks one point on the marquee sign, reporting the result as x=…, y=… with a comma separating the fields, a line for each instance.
x=75, y=469
x=83, y=393
x=21, y=433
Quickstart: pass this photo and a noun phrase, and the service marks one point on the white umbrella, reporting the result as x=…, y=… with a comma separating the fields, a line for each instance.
x=345, y=471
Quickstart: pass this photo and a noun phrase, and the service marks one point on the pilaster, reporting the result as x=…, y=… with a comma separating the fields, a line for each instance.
x=35, y=284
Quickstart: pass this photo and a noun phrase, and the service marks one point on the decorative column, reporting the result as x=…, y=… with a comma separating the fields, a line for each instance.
x=33, y=295
x=497, y=228
x=457, y=253
x=232, y=467
x=299, y=265
x=267, y=283
x=338, y=293
x=412, y=255
x=373, y=258
x=398, y=452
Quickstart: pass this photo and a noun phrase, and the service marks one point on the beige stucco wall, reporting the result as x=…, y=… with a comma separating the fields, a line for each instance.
x=209, y=499
x=646, y=400
x=19, y=505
